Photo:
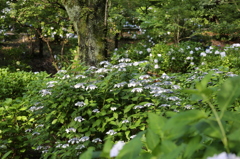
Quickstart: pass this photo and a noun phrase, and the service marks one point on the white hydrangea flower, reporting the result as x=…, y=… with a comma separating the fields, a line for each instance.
x=189, y=58
x=74, y=140
x=165, y=76
x=45, y=92
x=116, y=148
x=39, y=147
x=59, y=145
x=164, y=105
x=203, y=54
x=79, y=147
x=118, y=85
x=91, y=87
x=144, y=77
x=84, y=138
x=111, y=132
x=28, y=130
x=138, y=107
x=80, y=104
x=113, y=108
x=36, y=133
x=79, y=119
x=208, y=51
x=222, y=54
x=156, y=66
x=224, y=155
x=134, y=84
x=137, y=90
x=96, y=111
x=79, y=85
x=33, y=108
x=149, y=50
x=65, y=146
x=96, y=140
x=80, y=76
x=51, y=84
x=174, y=98
x=131, y=137
x=125, y=121
x=65, y=77
x=125, y=60
x=188, y=106
x=62, y=71
x=104, y=63
x=70, y=130
x=176, y=87
x=102, y=70
x=148, y=104
x=44, y=151
x=40, y=125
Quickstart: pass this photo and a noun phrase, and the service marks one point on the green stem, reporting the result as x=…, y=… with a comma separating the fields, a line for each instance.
x=224, y=137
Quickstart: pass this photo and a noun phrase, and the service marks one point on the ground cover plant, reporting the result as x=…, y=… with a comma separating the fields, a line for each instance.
x=149, y=104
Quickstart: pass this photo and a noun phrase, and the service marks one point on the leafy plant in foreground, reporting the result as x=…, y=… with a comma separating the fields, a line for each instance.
x=194, y=133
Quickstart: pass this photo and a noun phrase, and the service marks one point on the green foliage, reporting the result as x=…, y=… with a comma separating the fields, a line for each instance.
x=13, y=84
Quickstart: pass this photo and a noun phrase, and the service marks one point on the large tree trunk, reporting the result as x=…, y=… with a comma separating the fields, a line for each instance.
x=88, y=20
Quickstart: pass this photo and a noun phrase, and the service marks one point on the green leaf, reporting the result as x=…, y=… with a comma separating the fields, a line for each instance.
x=192, y=146
x=87, y=154
x=23, y=118
x=152, y=139
x=107, y=148
x=6, y=154
x=180, y=123
x=128, y=108
x=234, y=136
x=54, y=121
x=210, y=128
x=229, y=91
x=135, y=98
x=156, y=123
x=132, y=149
x=170, y=150
x=231, y=117
x=201, y=86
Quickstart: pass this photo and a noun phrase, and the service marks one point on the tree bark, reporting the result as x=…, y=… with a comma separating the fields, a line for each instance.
x=88, y=20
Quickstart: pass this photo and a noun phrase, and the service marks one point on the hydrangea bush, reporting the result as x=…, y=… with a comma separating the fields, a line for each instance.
x=82, y=113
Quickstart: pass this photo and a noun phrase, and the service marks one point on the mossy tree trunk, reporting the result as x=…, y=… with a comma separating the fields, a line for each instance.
x=88, y=20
